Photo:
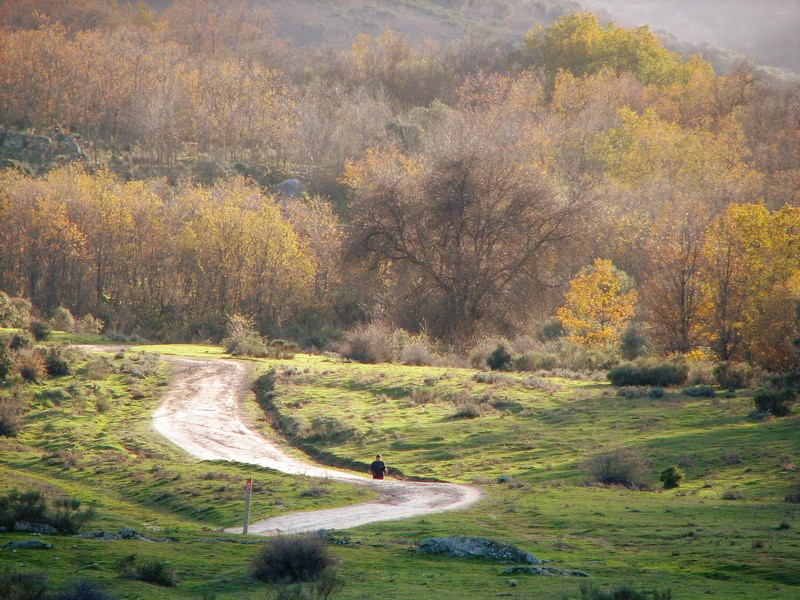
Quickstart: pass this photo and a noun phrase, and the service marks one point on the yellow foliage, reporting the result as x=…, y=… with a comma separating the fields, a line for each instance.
x=598, y=306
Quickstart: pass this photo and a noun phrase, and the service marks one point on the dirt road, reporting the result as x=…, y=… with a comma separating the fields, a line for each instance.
x=202, y=413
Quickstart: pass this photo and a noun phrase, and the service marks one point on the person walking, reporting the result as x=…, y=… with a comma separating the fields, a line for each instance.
x=378, y=468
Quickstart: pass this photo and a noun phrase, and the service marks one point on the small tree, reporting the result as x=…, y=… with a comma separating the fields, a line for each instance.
x=671, y=477
x=599, y=305
x=499, y=359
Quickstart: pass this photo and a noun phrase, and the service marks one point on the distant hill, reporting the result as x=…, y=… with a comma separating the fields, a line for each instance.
x=724, y=31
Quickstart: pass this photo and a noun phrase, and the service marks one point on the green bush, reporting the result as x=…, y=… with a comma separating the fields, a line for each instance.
x=289, y=559
x=619, y=466
x=62, y=319
x=22, y=585
x=535, y=361
x=154, y=571
x=68, y=516
x=733, y=376
x=65, y=515
x=700, y=391
x=22, y=506
x=634, y=343
x=14, y=312
x=671, y=477
x=648, y=372
x=57, y=361
x=41, y=331
x=778, y=403
x=264, y=388
x=499, y=359
x=20, y=340
x=82, y=590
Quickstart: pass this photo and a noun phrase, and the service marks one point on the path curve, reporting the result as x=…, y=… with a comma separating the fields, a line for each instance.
x=202, y=414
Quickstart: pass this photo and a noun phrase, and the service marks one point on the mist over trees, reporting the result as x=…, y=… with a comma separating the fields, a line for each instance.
x=457, y=189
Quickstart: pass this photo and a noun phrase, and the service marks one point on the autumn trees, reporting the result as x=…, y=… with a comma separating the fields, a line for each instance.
x=171, y=263
x=456, y=189
x=465, y=229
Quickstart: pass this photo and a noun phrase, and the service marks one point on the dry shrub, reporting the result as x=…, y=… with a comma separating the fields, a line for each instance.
x=289, y=559
x=31, y=365
x=368, y=344
x=11, y=410
x=620, y=466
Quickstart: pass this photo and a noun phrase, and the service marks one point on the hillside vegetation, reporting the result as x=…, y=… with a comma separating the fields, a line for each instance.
x=531, y=442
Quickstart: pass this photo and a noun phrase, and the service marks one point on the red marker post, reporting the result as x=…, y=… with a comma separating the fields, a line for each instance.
x=248, y=486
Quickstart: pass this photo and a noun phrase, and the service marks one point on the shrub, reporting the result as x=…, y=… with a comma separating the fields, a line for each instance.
x=99, y=368
x=368, y=344
x=535, y=361
x=733, y=376
x=671, y=477
x=22, y=506
x=30, y=365
x=264, y=388
x=41, y=331
x=551, y=330
x=732, y=495
x=282, y=349
x=154, y=571
x=68, y=516
x=418, y=352
x=88, y=324
x=22, y=585
x=57, y=361
x=289, y=559
x=619, y=466
x=700, y=391
x=648, y=372
x=82, y=590
x=62, y=319
x=634, y=343
x=10, y=417
x=329, y=428
x=778, y=403
x=499, y=359
x=14, y=312
x=20, y=340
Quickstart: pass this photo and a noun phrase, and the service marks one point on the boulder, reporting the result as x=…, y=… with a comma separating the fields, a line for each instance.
x=290, y=187
x=28, y=544
x=476, y=547
x=26, y=527
x=15, y=141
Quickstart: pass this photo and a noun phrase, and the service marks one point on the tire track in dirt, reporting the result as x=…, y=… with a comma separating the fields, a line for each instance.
x=202, y=413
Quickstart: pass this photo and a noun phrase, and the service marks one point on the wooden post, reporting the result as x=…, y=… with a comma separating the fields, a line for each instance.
x=248, y=490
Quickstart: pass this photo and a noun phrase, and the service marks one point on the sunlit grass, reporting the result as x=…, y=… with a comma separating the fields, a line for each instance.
x=92, y=439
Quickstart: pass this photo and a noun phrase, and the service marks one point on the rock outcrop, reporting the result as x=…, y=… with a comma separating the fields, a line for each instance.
x=30, y=152
x=476, y=547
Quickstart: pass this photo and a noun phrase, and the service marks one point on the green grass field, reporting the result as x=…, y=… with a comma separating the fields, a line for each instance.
x=88, y=435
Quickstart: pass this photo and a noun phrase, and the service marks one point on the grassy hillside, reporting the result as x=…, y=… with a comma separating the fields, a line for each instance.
x=524, y=439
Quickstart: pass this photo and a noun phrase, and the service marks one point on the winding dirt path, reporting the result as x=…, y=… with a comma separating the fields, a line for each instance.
x=202, y=413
